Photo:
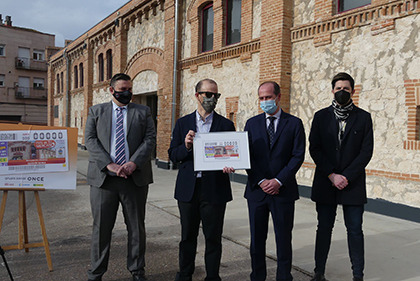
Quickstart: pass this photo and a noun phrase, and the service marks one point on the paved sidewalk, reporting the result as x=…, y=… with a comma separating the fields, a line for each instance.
x=392, y=245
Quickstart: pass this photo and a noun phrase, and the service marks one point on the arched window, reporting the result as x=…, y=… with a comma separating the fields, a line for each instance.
x=62, y=81
x=58, y=83
x=76, y=77
x=81, y=74
x=233, y=21
x=101, y=67
x=109, y=64
x=207, y=24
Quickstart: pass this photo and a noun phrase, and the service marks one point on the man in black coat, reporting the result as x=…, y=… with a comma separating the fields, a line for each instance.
x=341, y=145
x=202, y=196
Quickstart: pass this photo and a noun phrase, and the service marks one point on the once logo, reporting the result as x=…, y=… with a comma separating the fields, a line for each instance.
x=35, y=178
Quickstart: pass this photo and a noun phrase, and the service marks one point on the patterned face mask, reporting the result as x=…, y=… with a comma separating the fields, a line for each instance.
x=209, y=104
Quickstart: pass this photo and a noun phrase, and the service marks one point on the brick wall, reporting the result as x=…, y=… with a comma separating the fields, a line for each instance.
x=276, y=46
x=412, y=101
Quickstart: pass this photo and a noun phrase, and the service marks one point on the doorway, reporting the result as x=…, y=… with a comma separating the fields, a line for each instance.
x=150, y=99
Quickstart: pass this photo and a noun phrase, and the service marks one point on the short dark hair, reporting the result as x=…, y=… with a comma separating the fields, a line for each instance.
x=276, y=87
x=344, y=77
x=200, y=83
x=119, y=76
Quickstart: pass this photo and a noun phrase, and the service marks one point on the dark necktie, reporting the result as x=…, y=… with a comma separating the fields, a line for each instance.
x=120, y=138
x=270, y=130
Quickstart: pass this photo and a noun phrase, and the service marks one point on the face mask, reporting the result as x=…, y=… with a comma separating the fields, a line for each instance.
x=342, y=97
x=123, y=97
x=209, y=104
x=268, y=106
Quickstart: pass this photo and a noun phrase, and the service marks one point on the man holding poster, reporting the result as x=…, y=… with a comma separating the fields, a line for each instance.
x=120, y=137
x=202, y=196
x=277, y=148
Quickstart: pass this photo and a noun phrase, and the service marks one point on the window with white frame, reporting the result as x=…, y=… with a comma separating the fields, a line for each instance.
x=2, y=50
x=38, y=55
x=2, y=77
x=39, y=83
x=345, y=5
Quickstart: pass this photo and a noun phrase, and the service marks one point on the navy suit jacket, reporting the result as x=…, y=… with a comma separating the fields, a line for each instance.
x=348, y=160
x=281, y=162
x=215, y=184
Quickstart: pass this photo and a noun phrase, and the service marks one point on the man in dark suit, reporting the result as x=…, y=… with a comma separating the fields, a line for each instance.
x=120, y=137
x=277, y=150
x=341, y=145
x=202, y=196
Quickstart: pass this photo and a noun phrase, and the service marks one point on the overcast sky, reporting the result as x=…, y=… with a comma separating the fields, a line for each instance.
x=66, y=19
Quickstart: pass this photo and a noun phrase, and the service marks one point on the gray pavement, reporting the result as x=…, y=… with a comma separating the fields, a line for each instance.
x=392, y=245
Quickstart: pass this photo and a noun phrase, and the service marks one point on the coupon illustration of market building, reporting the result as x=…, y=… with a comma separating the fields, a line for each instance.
x=221, y=149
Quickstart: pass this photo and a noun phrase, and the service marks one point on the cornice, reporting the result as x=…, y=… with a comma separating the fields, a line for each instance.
x=242, y=50
x=380, y=17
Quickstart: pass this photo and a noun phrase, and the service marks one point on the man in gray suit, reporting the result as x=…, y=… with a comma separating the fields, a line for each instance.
x=120, y=137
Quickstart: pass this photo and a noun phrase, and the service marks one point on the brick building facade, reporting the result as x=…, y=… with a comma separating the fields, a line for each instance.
x=299, y=43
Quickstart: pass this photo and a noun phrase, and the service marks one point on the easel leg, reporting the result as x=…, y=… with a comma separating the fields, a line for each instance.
x=43, y=231
x=3, y=207
x=22, y=211
x=25, y=223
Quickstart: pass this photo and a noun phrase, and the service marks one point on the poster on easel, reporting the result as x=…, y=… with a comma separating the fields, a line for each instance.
x=37, y=157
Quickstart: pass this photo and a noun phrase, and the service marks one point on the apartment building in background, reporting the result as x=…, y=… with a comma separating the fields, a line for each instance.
x=23, y=73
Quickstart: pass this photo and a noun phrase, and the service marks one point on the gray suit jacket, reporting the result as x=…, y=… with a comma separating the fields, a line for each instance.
x=141, y=139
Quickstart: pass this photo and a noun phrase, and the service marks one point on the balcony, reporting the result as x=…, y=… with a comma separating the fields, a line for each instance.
x=31, y=93
x=30, y=64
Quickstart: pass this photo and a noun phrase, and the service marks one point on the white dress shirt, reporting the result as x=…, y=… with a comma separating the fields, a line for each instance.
x=114, y=129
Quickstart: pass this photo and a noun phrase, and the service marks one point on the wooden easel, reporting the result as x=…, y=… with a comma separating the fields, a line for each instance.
x=23, y=224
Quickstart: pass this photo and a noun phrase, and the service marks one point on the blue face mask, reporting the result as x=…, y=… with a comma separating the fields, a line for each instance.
x=268, y=106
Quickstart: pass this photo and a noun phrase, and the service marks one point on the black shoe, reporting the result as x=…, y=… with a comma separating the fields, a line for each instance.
x=139, y=277
x=318, y=277
x=357, y=279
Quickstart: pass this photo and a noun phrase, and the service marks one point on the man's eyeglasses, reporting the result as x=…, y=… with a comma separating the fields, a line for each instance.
x=210, y=94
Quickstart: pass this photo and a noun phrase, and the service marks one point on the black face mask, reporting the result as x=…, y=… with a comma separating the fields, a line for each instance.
x=123, y=97
x=342, y=97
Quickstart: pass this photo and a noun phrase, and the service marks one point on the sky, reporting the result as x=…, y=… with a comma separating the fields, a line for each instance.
x=66, y=19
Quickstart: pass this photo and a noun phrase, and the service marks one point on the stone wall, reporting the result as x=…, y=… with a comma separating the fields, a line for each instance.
x=76, y=118
x=101, y=96
x=150, y=33
x=303, y=12
x=61, y=119
x=256, y=19
x=145, y=82
x=185, y=32
x=380, y=65
x=234, y=79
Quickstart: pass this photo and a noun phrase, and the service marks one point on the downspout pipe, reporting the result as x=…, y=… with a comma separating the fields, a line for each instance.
x=67, y=87
x=175, y=74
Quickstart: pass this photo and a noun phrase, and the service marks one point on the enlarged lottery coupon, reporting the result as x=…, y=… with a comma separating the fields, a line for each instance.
x=216, y=150
x=35, y=151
